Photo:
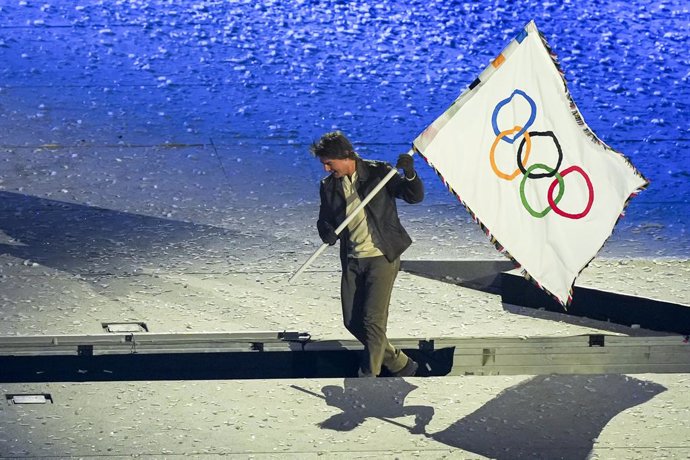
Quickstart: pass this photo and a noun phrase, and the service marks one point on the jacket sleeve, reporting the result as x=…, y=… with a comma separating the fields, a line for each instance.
x=326, y=220
x=410, y=191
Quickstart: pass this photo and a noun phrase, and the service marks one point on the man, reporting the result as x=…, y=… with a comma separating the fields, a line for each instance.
x=370, y=246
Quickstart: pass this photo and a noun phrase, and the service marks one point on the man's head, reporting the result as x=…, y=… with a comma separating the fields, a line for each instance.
x=336, y=154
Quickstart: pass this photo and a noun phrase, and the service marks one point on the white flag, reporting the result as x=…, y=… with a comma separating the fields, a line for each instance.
x=516, y=152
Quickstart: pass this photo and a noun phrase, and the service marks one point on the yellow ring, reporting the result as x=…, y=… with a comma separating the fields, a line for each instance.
x=492, y=154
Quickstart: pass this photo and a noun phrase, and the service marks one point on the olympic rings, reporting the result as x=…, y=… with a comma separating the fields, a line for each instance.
x=526, y=145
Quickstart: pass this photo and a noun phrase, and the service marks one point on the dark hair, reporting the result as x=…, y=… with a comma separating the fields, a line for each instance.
x=333, y=145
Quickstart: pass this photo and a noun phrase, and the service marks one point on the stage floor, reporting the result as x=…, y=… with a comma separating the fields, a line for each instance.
x=119, y=202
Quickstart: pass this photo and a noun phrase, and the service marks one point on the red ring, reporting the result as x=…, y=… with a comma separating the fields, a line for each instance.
x=590, y=188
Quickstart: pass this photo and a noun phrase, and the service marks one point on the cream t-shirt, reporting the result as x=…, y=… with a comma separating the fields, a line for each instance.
x=361, y=238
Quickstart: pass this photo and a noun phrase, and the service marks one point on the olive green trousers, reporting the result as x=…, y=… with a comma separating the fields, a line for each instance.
x=366, y=287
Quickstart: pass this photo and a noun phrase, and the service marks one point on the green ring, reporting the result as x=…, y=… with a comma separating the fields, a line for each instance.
x=561, y=189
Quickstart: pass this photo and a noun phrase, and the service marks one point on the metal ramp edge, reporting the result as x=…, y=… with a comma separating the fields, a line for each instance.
x=301, y=356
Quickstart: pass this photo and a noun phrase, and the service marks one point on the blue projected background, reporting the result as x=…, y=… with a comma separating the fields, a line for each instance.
x=270, y=77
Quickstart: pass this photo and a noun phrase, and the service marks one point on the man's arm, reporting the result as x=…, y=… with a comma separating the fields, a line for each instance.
x=409, y=187
x=325, y=224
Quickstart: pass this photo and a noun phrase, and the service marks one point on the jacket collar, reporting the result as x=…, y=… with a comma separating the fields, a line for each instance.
x=362, y=170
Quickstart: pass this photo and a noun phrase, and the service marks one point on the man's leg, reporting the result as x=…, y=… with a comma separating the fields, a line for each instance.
x=351, y=294
x=378, y=286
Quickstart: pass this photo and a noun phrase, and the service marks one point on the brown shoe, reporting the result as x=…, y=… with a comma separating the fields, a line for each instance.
x=409, y=370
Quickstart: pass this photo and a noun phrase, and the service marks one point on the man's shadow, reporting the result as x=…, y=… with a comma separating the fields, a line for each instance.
x=550, y=416
x=80, y=239
x=363, y=398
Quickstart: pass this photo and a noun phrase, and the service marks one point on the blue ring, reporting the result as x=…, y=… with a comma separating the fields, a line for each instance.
x=525, y=127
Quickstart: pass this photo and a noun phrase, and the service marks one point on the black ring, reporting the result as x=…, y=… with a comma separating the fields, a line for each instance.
x=558, y=147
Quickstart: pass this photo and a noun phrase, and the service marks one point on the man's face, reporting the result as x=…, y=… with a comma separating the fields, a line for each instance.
x=339, y=168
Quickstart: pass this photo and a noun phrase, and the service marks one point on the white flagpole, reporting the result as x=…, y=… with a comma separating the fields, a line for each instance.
x=347, y=220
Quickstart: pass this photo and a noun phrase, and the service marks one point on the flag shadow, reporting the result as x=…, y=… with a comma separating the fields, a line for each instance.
x=609, y=311
x=550, y=416
x=480, y=275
